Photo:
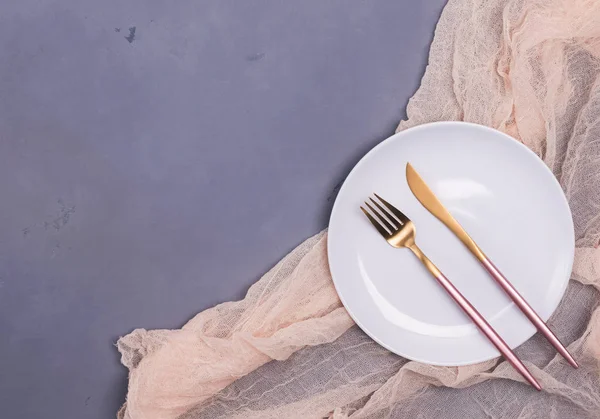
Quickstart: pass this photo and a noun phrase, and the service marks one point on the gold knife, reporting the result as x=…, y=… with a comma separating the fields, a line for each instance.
x=428, y=199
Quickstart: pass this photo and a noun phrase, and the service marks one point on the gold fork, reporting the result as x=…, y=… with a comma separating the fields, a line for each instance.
x=399, y=231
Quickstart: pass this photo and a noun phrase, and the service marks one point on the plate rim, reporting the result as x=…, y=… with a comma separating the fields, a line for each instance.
x=507, y=137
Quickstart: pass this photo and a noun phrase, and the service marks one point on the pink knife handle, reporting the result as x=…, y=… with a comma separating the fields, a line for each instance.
x=527, y=310
x=486, y=329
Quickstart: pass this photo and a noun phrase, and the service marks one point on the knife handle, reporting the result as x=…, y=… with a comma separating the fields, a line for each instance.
x=526, y=309
x=477, y=318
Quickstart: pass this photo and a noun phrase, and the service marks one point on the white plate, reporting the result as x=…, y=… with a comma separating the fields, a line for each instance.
x=506, y=199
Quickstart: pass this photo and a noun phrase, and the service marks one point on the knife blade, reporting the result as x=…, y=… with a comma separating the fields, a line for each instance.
x=428, y=199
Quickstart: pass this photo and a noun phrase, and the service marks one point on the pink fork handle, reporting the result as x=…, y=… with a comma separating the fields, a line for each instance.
x=527, y=310
x=486, y=329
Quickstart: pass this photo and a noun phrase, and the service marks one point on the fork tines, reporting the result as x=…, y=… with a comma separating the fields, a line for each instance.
x=387, y=219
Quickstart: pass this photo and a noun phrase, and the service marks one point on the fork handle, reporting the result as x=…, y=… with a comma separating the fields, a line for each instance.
x=477, y=318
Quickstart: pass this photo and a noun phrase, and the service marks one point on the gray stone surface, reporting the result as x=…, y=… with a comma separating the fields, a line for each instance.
x=156, y=157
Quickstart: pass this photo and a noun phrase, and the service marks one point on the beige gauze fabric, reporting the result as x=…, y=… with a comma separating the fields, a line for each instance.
x=290, y=350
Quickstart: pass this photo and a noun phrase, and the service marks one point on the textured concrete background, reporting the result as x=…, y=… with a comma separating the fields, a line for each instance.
x=139, y=139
